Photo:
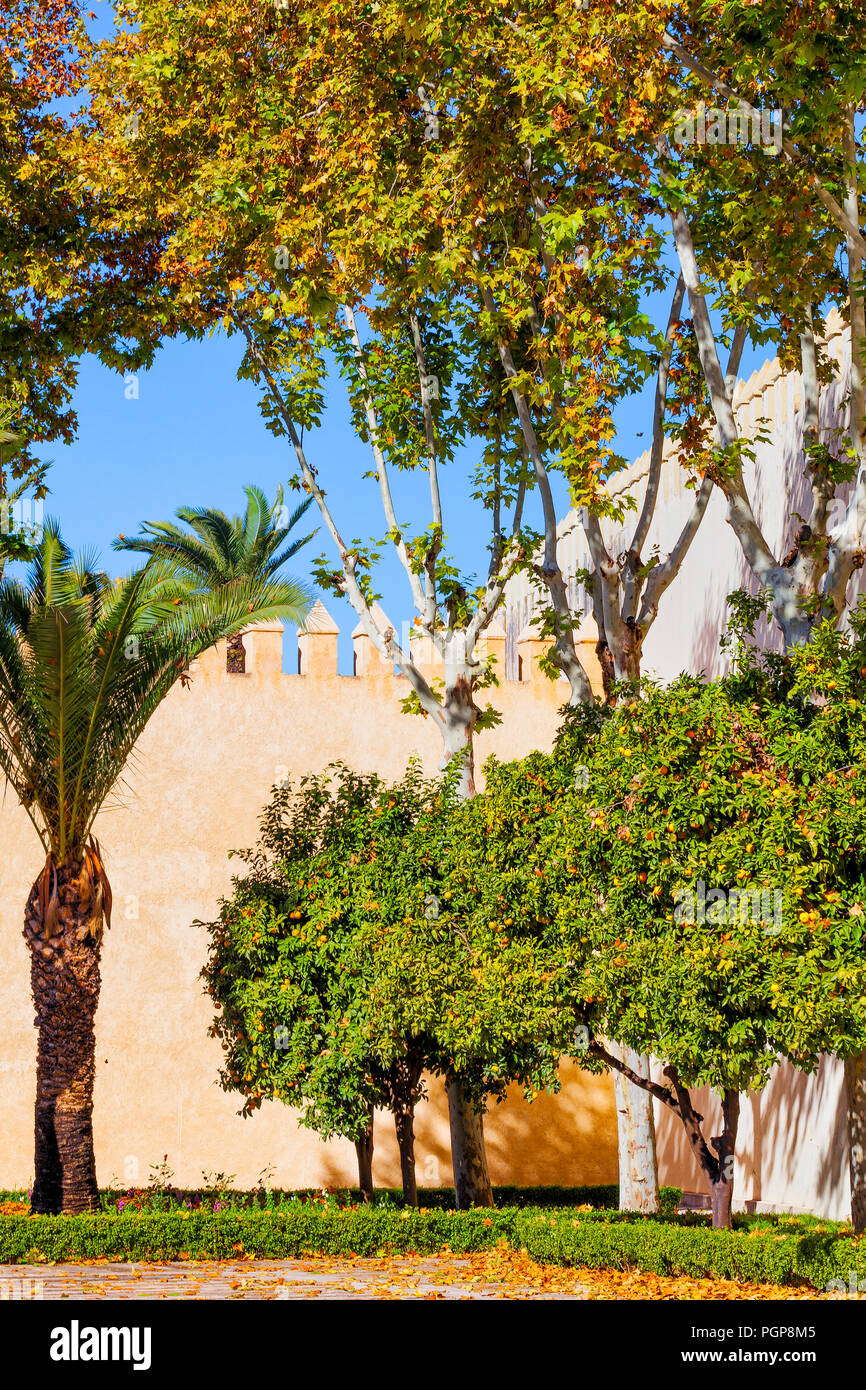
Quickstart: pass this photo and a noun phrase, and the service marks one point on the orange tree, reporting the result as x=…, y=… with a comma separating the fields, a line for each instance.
x=691, y=874
x=291, y=964
x=346, y=964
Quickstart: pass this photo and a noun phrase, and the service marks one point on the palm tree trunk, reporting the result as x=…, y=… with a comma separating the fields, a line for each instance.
x=63, y=928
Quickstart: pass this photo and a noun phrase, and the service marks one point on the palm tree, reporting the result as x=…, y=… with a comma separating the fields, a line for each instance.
x=218, y=548
x=84, y=663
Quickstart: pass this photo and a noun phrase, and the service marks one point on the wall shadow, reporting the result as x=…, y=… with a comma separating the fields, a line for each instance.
x=792, y=1150
x=567, y=1139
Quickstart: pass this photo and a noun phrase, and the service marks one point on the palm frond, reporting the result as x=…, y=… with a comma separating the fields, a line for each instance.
x=257, y=517
x=85, y=663
x=211, y=549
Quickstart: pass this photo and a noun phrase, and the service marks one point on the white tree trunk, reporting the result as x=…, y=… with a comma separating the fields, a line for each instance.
x=855, y=1067
x=638, y=1170
x=458, y=713
x=457, y=716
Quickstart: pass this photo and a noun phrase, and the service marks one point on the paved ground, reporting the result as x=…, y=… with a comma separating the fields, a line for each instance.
x=435, y=1277
x=498, y=1274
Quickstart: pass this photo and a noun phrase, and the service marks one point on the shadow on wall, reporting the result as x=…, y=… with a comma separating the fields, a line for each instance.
x=568, y=1139
x=792, y=1149
x=781, y=497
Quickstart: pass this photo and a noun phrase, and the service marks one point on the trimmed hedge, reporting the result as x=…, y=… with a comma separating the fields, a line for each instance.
x=756, y=1254
x=264, y=1235
x=602, y=1195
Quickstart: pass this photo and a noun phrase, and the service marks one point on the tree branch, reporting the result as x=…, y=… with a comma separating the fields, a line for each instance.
x=421, y=600
x=565, y=651
x=740, y=514
x=501, y=570
x=692, y=1121
x=429, y=428
x=655, y=469
x=662, y=576
x=386, y=643
x=607, y=590
x=823, y=486
x=433, y=473
x=661, y=1093
x=846, y=551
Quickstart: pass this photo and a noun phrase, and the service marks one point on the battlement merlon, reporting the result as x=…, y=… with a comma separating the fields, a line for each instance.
x=368, y=660
x=532, y=647
x=317, y=652
x=317, y=643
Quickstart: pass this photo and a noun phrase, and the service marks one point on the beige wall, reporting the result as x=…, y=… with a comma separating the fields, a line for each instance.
x=201, y=776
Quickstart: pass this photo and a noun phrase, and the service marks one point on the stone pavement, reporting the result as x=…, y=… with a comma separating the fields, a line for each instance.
x=498, y=1273
x=430, y=1277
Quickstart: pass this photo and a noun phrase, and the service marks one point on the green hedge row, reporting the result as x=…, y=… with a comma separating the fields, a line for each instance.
x=265, y=1235
x=605, y=1195
x=595, y=1240
x=756, y=1254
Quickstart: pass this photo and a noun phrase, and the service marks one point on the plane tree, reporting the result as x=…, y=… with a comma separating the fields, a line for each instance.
x=784, y=243
x=374, y=274
x=68, y=278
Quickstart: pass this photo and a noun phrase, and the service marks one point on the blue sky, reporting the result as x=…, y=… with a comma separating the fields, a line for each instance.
x=194, y=435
